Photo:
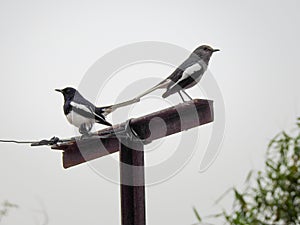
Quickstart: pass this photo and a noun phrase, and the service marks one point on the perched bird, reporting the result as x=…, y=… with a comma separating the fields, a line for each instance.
x=80, y=112
x=186, y=75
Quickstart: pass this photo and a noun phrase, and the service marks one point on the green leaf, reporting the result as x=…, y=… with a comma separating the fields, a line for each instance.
x=197, y=214
x=249, y=176
x=273, y=196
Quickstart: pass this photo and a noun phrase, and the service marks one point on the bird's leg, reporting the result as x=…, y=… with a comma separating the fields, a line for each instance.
x=84, y=130
x=186, y=94
x=181, y=96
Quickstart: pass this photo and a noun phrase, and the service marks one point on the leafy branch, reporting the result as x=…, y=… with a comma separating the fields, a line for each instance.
x=275, y=196
x=5, y=206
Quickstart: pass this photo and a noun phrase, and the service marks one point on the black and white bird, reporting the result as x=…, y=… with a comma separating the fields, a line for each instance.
x=187, y=75
x=80, y=112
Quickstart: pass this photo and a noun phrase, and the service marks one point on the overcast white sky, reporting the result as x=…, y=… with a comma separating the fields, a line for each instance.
x=51, y=44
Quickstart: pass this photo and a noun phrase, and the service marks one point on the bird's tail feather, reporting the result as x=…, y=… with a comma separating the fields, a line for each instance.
x=166, y=94
x=162, y=84
x=109, y=109
x=171, y=91
x=105, y=123
x=100, y=117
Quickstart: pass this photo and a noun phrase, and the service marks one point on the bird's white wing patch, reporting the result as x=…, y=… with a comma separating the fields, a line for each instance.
x=80, y=106
x=85, y=108
x=188, y=72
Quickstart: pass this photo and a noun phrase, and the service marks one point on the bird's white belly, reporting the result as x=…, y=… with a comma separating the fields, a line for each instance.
x=77, y=120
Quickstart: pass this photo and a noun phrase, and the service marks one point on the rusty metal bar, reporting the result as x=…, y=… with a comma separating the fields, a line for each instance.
x=163, y=123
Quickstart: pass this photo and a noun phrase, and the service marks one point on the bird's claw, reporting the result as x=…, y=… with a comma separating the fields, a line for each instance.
x=85, y=136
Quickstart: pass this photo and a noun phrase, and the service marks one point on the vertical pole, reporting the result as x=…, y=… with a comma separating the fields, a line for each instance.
x=132, y=183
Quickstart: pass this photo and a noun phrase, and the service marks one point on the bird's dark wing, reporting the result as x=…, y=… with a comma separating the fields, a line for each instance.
x=89, y=111
x=190, y=74
x=176, y=88
x=83, y=110
x=177, y=74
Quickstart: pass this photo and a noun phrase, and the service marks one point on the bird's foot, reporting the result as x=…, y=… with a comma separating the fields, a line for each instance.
x=86, y=136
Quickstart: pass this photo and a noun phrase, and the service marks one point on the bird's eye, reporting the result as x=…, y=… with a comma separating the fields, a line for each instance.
x=205, y=49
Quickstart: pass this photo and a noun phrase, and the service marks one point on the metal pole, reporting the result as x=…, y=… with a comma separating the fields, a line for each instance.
x=132, y=183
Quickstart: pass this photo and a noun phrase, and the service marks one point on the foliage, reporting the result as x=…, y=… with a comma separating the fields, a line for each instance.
x=5, y=206
x=275, y=196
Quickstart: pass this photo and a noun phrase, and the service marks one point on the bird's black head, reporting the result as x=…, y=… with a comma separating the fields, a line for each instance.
x=68, y=92
x=205, y=52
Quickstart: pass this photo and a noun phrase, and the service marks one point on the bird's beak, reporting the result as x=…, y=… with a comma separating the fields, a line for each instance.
x=216, y=50
x=59, y=90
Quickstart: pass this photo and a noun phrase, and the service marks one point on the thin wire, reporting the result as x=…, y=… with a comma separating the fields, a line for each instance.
x=52, y=141
x=17, y=142
x=55, y=140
